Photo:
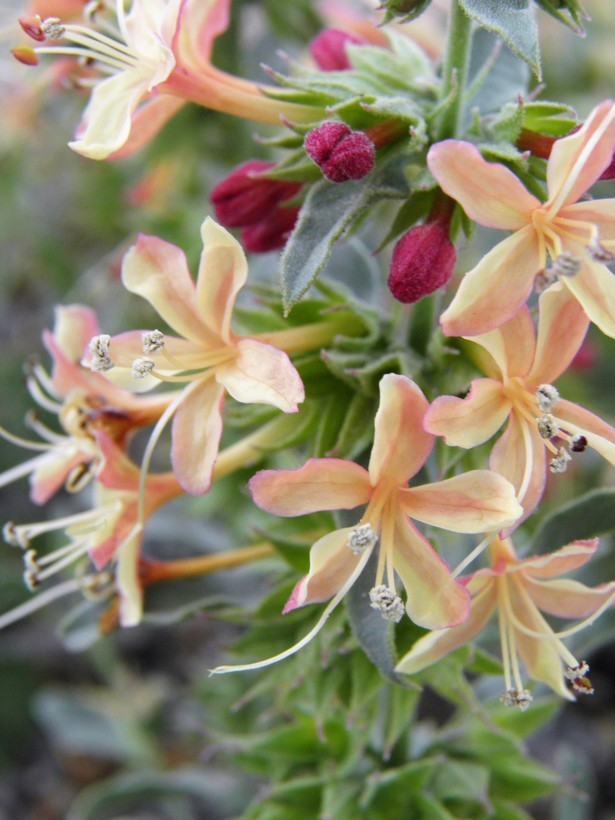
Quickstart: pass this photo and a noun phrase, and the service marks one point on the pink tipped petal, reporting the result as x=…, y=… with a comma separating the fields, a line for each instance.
x=435, y=600
x=147, y=121
x=127, y=579
x=158, y=271
x=401, y=446
x=198, y=25
x=511, y=345
x=321, y=484
x=470, y=421
x=510, y=456
x=566, y=598
x=561, y=329
x=594, y=287
x=488, y=192
x=600, y=435
x=222, y=273
x=497, y=288
x=332, y=562
x=118, y=472
x=197, y=428
x=52, y=470
x=478, y=501
x=577, y=161
x=598, y=212
x=566, y=559
x=73, y=328
x=262, y=374
x=110, y=533
x=432, y=647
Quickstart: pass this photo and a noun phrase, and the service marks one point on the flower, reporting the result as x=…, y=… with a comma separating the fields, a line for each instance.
x=84, y=402
x=477, y=501
x=520, y=367
x=578, y=236
x=328, y=49
x=246, y=196
x=210, y=358
x=158, y=57
x=519, y=590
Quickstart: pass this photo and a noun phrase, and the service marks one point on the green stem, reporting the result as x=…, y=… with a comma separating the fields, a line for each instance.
x=312, y=336
x=455, y=69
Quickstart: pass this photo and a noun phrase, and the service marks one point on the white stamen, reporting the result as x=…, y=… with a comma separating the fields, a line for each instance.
x=153, y=341
x=99, y=348
x=52, y=28
x=560, y=462
x=390, y=605
x=599, y=252
x=547, y=427
x=547, y=397
x=362, y=537
x=566, y=264
x=521, y=698
x=142, y=367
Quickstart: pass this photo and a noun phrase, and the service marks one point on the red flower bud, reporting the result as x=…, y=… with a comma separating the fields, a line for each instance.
x=271, y=233
x=245, y=197
x=423, y=261
x=328, y=49
x=340, y=153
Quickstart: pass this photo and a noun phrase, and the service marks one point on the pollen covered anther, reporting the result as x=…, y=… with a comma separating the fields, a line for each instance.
x=362, y=537
x=578, y=443
x=577, y=675
x=560, y=462
x=12, y=536
x=99, y=349
x=599, y=253
x=566, y=264
x=547, y=427
x=153, y=341
x=52, y=27
x=547, y=397
x=521, y=698
x=390, y=605
x=142, y=367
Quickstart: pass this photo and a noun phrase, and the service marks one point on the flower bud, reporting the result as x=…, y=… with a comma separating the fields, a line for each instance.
x=422, y=261
x=328, y=49
x=245, y=197
x=340, y=153
x=271, y=233
x=541, y=145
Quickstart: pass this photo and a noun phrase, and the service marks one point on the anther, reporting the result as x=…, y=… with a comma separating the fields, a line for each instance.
x=25, y=55
x=153, y=341
x=566, y=264
x=52, y=27
x=390, y=605
x=520, y=698
x=13, y=536
x=599, y=252
x=547, y=397
x=30, y=561
x=543, y=280
x=32, y=26
x=362, y=537
x=577, y=444
x=79, y=477
x=577, y=675
x=31, y=580
x=99, y=348
x=547, y=426
x=142, y=367
x=560, y=462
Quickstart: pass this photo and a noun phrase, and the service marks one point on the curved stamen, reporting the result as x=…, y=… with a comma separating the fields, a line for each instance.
x=34, y=423
x=34, y=389
x=23, y=442
x=472, y=556
x=39, y=601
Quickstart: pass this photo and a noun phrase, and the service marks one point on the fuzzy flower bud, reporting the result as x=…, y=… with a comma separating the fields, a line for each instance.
x=328, y=49
x=423, y=260
x=271, y=233
x=245, y=197
x=340, y=153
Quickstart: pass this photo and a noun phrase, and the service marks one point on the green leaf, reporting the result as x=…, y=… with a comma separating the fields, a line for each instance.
x=559, y=8
x=589, y=516
x=462, y=781
x=496, y=75
x=513, y=21
x=391, y=793
x=522, y=779
x=552, y=119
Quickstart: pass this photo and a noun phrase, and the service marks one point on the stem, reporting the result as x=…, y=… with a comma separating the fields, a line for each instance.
x=151, y=571
x=253, y=447
x=455, y=69
x=308, y=337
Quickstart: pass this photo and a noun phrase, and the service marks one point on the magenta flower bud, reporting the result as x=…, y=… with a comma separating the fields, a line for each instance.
x=271, y=233
x=423, y=261
x=245, y=197
x=340, y=153
x=328, y=49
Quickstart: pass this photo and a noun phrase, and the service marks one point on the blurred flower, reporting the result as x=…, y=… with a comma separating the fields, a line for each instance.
x=579, y=237
x=210, y=359
x=328, y=49
x=542, y=428
x=518, y=590
x=271, y=233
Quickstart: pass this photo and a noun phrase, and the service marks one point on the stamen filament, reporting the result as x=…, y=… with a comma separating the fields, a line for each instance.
x=34, y=389
x=79, y=549
x=39, y=601
x=472, y=556
x=23, y=442
x=77, y=51
x=44, y=432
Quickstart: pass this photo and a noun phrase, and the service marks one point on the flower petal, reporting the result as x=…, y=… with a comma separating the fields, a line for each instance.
x=497, y=288
x=470, y=421
x=51, y=471
x=562, y=326
x=598, y=212
x=511, y=345
x=73, y=328
x=577, y=161
x=332, y=562
x=600, y=435
x=488, y=192
x=198, y=26
x=435, y=645
x=157, y=271
x=197, y=428
x=566, y=598
x=435, y=600
x=478, y=501
x=321, y=484
x=223, y=271
x=401, y=446
x=594, y=287
x=565, y=559
x=127, y=579
x=262, y=374
x=147, y=121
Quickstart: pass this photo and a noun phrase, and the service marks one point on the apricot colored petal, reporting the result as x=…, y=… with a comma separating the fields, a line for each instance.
x=510, y=456
x=197, y=428
x=477, y=501
x=127, y=578
x=566, y=598
x=497, y=288
x=222, y=273
x=332, y=562
x=600, y=435
x=488, y=192
x=598, y=212
x=401, y=446
x=73, y=328
x=594, y=287
x=147, y=121
x=262, y=374
x=158, y=271
x=470, y=421
x=432, y=647
x=562, y=326
x=566, y=559
x=511, y=345
x=321, y=484
x=577, y=161
x=198, y=26
x=434, y=599
x=118, y=471
x=111, y=531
